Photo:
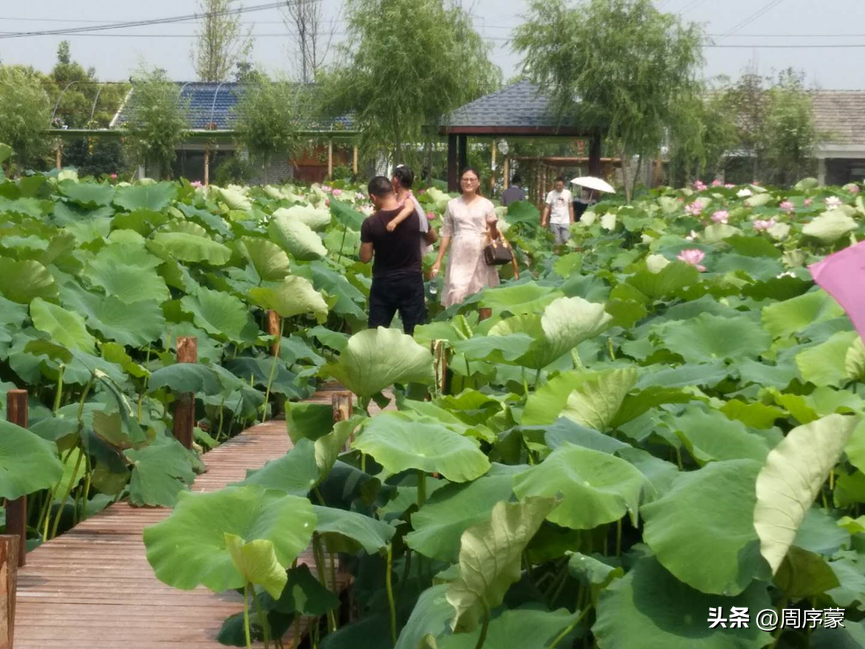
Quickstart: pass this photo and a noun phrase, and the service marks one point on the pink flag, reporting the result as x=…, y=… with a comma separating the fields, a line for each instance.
x=842, y=275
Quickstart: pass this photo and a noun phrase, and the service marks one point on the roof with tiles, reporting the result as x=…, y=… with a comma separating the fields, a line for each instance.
x=841, y=115
x=518, y=105
x=214, y=106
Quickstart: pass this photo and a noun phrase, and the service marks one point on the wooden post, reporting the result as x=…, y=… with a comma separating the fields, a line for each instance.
x=184, y=407
x=453, y=182
x=59, y=157
x=330, y=159
x=273, y=329
x=16, y=510
x=342, y=407
x=354, y=159
x=463, y=155
x=440, y=358
x=506, y=173
x=9, y=546
x=206, y=165
x=595, y=156
x=493, y=167
x=485, y=313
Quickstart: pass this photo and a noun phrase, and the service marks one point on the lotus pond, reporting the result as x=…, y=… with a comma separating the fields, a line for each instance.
x=656, y=423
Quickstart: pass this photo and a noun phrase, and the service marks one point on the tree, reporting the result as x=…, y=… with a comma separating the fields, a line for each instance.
x=221, y=41
x=25, y=112
x=64, y=55
x=269, y=117
x=620, y=65
x=157, y=121
x=404, y=66
x=312, y=42
x=790, y=132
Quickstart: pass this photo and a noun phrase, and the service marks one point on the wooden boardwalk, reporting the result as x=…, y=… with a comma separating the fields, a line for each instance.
x=92, y=588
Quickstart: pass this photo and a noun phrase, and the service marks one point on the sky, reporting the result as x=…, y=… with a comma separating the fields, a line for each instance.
x=742, y=28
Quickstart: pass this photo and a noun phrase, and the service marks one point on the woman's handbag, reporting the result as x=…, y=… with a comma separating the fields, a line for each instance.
x=498, y=252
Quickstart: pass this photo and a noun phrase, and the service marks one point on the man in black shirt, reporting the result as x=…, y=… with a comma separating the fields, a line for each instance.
x=397, y=278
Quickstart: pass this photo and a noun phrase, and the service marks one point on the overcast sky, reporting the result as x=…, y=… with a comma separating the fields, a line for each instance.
x=799, y=23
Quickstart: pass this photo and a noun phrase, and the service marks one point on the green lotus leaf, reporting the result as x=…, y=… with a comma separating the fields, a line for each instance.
x=74, y=469
x=257, y=371
x=439, y=524
x=375, y=359
x=297, y=238
x=520, y=299
x=666, y=283
x=854, y=360
x=526, y=628
x=127, y=272
x=794, y=315
x=399, y=442
x=135, y=324
x=349, y=300
x=852, y=636
x=87, y=194
x=710, y=436
x=755, y=415
x=270, y=261
x=188, y=549
x=186, y=377
x=565, y=323
x=830, y=226
x=651, y=609
x=221, y=314
x=160, y=472
x=23, y=281
x=718, y=232
x=431, y=616
x=545, y=404
x=329, y=446
x=596, y=402
x=708, y=337
x=257, y=562
x=191, y=248
x=295, y=473
x=156, y=196
x=593, y=571
x=805, y=574
x=346, y=215
x=566, y=431
x=316, y=218
x=597, y=487
x=793, y=474
x=826, y=363
x=294, y=296
x=683, y=531
x=234, y=198
x=65, y=327
x=339, y=525
x=490, y=558
x=309, y=421
x=28, y=463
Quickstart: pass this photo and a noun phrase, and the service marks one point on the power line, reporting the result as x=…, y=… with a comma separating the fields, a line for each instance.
x=142, y=23
x=767, y=7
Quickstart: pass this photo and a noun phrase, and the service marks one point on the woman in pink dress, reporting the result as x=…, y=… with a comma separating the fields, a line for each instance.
x=468, y=221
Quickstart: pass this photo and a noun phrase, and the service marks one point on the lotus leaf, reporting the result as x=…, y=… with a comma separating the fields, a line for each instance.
x=294, y=296
x=297, y=238
x=28, y=462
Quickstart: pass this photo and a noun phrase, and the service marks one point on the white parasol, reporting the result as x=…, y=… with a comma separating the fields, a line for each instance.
x=591, y=182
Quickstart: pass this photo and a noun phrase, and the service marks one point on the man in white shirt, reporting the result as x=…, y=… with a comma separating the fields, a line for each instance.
x=559, y=211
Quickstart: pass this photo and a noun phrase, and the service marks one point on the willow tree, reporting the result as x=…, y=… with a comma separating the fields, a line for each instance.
x=25, y=112
x=221, y=40
x=403, y=66
x=622, y=65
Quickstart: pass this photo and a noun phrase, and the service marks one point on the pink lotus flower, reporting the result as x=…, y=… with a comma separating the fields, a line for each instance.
x=716, y=183
x=326, y=189
x=337, y=192
x=808, y=201
x=360, y=196
x=693, y=257
x=692, y=236
x=853, y=189
x=787, y=206
x=762, y=224
x=196, y=184
x=699, y=185
x=421, y=192
x=327, y=202
x=833, y=201
x=113, y=176
x=729, y=186
x=721, y=216
x=431, y=216
x=695, y=208
x=756, y=183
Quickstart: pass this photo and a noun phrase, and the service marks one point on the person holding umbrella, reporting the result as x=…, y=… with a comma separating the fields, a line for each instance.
x=559, y=211
x=593, y=185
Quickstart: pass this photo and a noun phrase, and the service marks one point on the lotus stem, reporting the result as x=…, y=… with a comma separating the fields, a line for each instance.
x=272, y=371
x=779, y=632
x=610, y=349
x=333, y=586
x=570, y=627
x=406, y=571
x=246, y=615
x=619, y=537
x=483, y=637
x=421, y=488
x=59, y=394
x=66, y=495
x=344, y=232
x=389, y=585
x=537, y=378
x=318, y=555
x=262, y=620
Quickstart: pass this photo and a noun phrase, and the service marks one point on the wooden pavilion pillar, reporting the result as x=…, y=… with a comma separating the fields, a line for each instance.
x=493, y=167
x=595, y=156
x=506, y=173
x=453, y=184
x=463, y=155
x=330, y=159
x=354, y=159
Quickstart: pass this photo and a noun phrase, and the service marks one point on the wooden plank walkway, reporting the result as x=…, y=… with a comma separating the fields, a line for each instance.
x=92, y=588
